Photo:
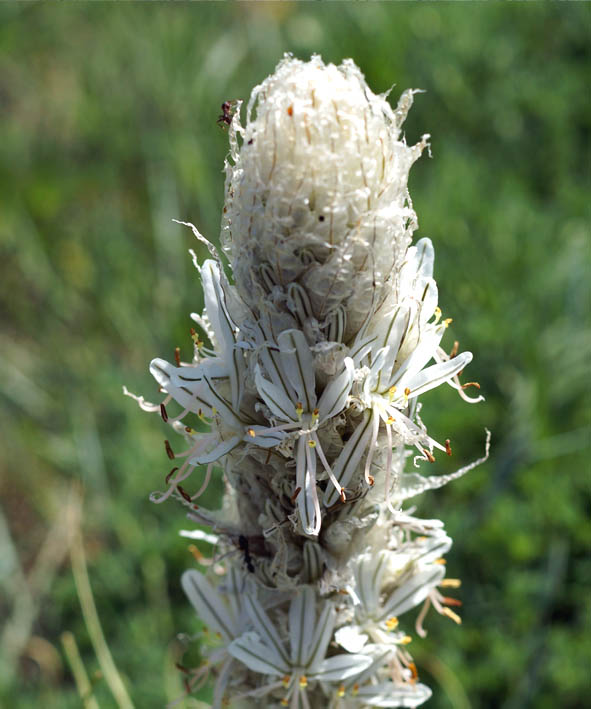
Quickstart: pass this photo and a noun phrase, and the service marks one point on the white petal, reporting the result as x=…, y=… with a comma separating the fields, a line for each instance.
x=298, y=364
x=207, y=602
x=413, y=591
x=307, y=500
x=335, y=396
x=351, y=638
x=256, y=656
x=192, y=394
x=264, y=627
x=322, y=636
x=388, y=694
x=217, y=452
x=302, y=619
x=436, y=374
x=348, y=460
x=276, y=398
x=341, y=667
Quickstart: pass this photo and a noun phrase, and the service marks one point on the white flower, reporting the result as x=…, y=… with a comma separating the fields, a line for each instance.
x=305, y=662
x=291, y=398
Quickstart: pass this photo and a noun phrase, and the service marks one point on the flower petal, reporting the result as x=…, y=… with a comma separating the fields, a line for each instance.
x=298, y=364
x=257, y=656
x=207, y=602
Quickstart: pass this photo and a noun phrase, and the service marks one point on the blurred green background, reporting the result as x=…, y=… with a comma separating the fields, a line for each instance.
x=108, y=124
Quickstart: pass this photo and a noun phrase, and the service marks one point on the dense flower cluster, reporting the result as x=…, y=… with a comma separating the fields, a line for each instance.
x=305, y=400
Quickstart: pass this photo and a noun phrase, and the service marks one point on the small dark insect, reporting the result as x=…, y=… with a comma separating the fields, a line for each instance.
x=225, y=117
x=243, y=544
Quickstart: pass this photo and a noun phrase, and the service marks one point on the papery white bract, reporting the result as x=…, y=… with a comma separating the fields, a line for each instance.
x=302, y=396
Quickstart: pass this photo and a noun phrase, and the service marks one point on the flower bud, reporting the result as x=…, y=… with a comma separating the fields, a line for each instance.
x=317, y=192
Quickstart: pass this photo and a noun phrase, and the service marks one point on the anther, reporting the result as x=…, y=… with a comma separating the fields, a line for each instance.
x=284, y=702
x=251, y=433
x=303, y=681
x=449, y=601
x=312, y=443
x=184, y=493
x=371, y=480
x=450, y=614
x=390, y=420
x=293, y=498
x=471, y=384
x=172, y=472
x=169, y=451
x=447, y=446
x=198, y=556
x=405, y=640
x=177, y=356
x=450, y=583
x=441, y=561
x=343, y=496
x=454, y=350
x=299, y=409
x=315, y=413
x=430, y=457
x=188, y=429
x=290, y=110
x=163, y=413
x=341, y=691
x=392, y=623
x=413, y=671
x=437, y=314
x=448, y=321
x=391, y=392
x=286, y=680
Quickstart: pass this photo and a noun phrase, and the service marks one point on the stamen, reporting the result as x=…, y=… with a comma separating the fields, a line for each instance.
x=391, y=393
x=454, y=350
x=341, y=691
x=430, y=457
x=206, y=480
x=437, y=315
x=471, y=384
x=312, y=443
x=172, y=472
x=189, y=430
x=413, y=671
x=449, y=601
x=448, y=321
x=343, y=496
x=441, y=561
x=355, y=689
x=450, y=614
x=169, y=451
x=184, y=493
x=405, y=640
x=198, y=556
x=163, y=413
x=371, y=480
x=315, y=415
x=284, y=702
x=251, y=433
x=406, y=393
x=450, y=583
x=177, y=356
x=392, y=623
x=299, y=409
x=294, y=497
x=421, y=632
x=447, y=446
x=303, y=681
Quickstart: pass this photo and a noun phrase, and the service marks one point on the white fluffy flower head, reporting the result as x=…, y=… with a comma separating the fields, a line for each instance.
x=317, y=192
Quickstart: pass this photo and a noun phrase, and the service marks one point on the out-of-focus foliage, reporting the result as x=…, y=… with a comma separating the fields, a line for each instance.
x=108, y=128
